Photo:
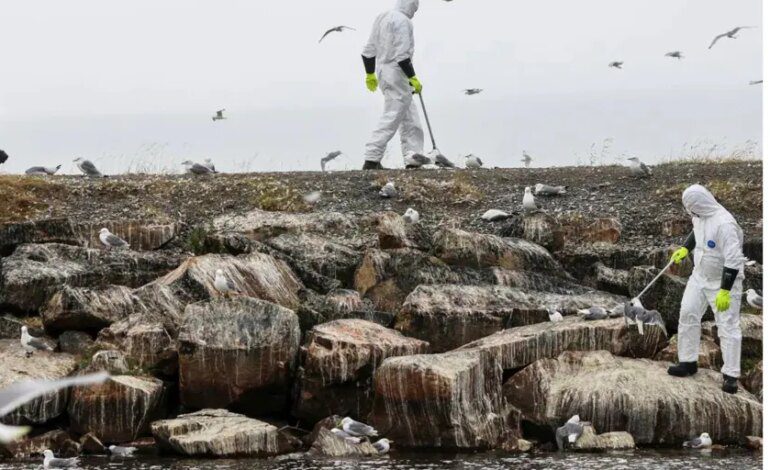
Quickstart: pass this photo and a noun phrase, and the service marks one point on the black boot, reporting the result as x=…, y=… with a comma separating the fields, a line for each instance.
x=683, y=369
x=369, y=165
x=730, y=385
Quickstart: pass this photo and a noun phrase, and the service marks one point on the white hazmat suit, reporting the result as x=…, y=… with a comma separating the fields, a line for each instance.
x=718, y=245
x=391, y=42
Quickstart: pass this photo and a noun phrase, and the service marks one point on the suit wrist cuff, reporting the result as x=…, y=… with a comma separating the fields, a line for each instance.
x=407, y=67
x=728, y=278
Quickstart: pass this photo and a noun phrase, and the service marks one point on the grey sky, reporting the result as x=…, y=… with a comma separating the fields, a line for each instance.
x=133, y=84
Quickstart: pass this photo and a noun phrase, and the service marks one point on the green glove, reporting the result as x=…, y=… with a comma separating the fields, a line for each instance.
x=416, y=84
x=723, y=300
x=680, y=255
x=371, y=82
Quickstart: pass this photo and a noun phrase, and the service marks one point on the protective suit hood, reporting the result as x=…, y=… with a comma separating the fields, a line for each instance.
x=408, y=7
x=697, y=200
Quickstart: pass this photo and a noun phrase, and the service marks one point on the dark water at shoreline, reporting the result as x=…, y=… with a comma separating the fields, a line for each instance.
x=647, y=459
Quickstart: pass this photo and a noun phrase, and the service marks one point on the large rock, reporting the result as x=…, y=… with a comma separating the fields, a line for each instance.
x=327, y=444
x=387, y=277
x=262, y=225
x=537, y=227
x=220, y=433
x=76, y=343
x=589, y=441
x=394, y=232
x=145, y=342
x=753, y=380
x=751, y=332
x=329, y=258
x=529, y=280
x=140, y=235
x=450, y=400
x=338, y=304
x=579, y=228
x=338, y=362
x=611, y=280
x=664, y=296
x=477, y=250
x=120, y=410
x=163, y=304
x=59, y=230
x=253, y=345
x=519, y=347
x=82, y=308
x=633, y=395
x=10, y=327
x=254, y=275
x=33, y=273
x=579, y=260
x=449, y=316
x=15, y=367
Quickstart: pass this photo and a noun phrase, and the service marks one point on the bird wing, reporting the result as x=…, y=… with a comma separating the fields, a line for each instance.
x=199, y=169
x=230, y=283
x=348, y=27
x=38, y=343
x=114, y=240
x=326, y=34
x=20, y=393
x=645, y=168
x=35, y=170
x=442, y=160
x=89, y=168
x=717, y=39
x=361, y=429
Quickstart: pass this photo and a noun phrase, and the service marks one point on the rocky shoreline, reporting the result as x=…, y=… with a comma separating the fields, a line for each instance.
x=436, y=333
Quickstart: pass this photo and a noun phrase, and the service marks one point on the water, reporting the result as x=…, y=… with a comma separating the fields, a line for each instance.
x=646, y=459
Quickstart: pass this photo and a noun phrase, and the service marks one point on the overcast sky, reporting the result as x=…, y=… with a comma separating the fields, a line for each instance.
x=132, y=85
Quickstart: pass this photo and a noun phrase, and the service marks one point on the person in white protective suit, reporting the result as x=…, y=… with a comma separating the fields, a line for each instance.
x=388, y=64
x=716, y=281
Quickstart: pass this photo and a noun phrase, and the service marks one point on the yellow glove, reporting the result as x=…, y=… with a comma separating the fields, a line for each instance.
x=371, y=82
x=680, y=255
x=416, y=85
x=723, y=300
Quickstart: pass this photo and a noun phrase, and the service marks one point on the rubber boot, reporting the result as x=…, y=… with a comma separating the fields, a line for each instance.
x=369, y=165
x=730, y=385
x=683, y=369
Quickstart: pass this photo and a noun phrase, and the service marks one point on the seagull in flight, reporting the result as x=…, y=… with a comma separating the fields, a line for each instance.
x=756, y=82
x=337, y=29
x=730, y=34
x=473, y=91
x=675, y=55
x=219, y=115
x=19, y=393
x=616, y=64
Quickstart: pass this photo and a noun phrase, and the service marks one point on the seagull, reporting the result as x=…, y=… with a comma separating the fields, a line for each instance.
x=342, y=434
x=495, y=215
x=547, y=190
x=210, y=165
x=312, y=198
x=354, y=428
x=473, y=162
x=389, y=190
x=42, y=170
x=571, y=430
x=122, y=451
x=631, y=312
x=756, y=82
x=702, y=442
x=730, y=34
x=554, y=315
x=337, y=29
x=617, y=312
x=529, y=200
x=527, y=159
x=329, y=157
x=594, y=313
x=616, y=64
x=675, y=55
x=110, y=240
x=472, y=91
x=638, y=168
x=382, y=446
x=30, y=344
x=443, y=162
x=411, y=216
x=197, y=168
x=19, y=393
x=219, y=115
x=650, y=317
x=3, y=157
x=754, y=299
x=88, y=168
x=223, y=284
x=416, y=160
x=49, y=461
